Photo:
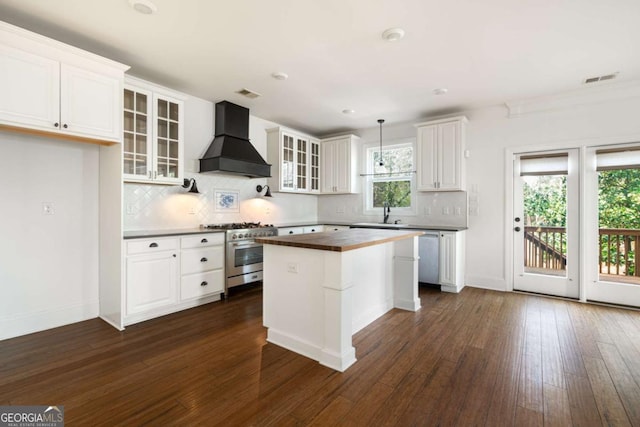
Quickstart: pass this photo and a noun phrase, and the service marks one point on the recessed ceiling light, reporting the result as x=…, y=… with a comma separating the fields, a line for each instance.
x=145, y=7
x=393, y=34
x=440, y=91
x=348, y=111
x=280, y=75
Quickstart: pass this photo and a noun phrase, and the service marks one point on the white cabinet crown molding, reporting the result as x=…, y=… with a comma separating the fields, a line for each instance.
x=154, y=87
x=54, y=49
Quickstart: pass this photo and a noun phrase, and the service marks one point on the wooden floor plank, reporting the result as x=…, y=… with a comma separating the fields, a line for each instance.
x=475, y=358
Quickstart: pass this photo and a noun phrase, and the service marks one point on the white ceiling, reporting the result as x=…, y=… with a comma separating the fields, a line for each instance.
x=484, y=52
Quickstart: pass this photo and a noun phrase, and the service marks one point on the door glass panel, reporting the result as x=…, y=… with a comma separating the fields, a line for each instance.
x=162, y=128
x=128, y=166
x=248, y=256
x=173, y=111
x=128, y=99
x=162, y=168
x=141, y=144
x=619, y=225
x=173, y=130
x=141, y=124
x=162, y=108
x=173, y=149
x=162, y=148
x=141, y=165
x=545, y=213
x=141, y=103
x=128, y=143
x=128, y=121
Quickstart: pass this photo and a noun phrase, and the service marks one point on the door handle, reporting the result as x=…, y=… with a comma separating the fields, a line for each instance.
x=517, y=229
x=203, y=259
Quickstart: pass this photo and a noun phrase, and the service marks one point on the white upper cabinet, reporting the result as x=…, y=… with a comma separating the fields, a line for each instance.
x=153, y=134
x=296, y=161
x=55, y=89
x=339, y=160
x=440, y=155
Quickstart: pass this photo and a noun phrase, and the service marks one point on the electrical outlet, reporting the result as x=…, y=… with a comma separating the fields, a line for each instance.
x=129, y=209
x=427, y=211
x=192, y=210
x=446, y=210
x=458, y=211
x=473, y=211
x=47, y=208
x=267, y=210
x=340, y=209
x=292, y=267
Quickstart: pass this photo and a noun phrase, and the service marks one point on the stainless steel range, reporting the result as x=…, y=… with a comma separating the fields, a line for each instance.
x=243, y=259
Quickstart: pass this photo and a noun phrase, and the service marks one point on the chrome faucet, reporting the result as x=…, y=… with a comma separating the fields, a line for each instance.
x=385, y=210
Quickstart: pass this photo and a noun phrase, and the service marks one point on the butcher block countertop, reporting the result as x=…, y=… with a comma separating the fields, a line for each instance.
x=340, y=241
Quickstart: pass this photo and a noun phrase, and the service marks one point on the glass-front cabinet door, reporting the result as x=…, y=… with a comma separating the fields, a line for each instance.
x=314, y=166
x=153, y=136
x=287, y=168
x=137, y=151
x=169, y=140
x=302, y=156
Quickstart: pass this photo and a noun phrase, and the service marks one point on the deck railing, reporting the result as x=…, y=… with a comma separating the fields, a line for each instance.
x=544, y=248
x=619, y=252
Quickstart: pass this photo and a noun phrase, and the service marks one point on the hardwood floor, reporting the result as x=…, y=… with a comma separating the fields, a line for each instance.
x=473, y=359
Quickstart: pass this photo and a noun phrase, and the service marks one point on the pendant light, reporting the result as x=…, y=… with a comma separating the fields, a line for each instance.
x=381, y=121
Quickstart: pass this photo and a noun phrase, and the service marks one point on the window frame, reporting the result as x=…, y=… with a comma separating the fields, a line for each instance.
x=368, y=150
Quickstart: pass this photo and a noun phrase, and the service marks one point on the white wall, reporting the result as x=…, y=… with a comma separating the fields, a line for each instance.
x=491, y=133
x=170, y=207
x=48, y=263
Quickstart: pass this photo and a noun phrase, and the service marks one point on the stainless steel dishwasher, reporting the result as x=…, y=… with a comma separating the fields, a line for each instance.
x=429, y=251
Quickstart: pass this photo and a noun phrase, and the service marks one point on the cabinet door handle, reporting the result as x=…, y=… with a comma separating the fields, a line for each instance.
x=155, y=174
x=174, y=255
x=56, y=124
x=203, y=259
x=291, y=232
x=204, y=241
x=153, y=245
x=204, y=284
x=65, y=125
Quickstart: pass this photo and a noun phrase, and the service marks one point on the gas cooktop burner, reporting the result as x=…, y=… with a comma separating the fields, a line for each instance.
x=235, y=226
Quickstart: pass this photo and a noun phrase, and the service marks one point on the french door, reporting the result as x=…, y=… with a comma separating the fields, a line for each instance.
x=546, y=237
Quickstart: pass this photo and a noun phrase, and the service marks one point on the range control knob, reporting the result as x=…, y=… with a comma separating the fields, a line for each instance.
x=234, y=236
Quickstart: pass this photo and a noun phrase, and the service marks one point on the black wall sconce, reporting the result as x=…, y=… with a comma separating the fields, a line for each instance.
x=191, y=184
x=259, y=189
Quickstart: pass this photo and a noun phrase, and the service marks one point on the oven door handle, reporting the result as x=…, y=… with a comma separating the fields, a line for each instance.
x=239, y=245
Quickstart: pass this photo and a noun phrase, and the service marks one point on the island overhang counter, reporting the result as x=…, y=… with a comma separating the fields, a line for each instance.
x=321, y=288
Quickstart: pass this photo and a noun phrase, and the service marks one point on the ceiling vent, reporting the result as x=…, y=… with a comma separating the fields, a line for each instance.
x=600, y=78
x=248, y=93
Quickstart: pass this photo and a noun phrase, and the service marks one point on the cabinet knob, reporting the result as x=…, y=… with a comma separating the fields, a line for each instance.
x=517, y=229
x=174, y=255
x=56, y=124
x=204, y=284
x=203, y=259
x=65, y=125
x=291, y=232
x=204, y=241
x=153, y=245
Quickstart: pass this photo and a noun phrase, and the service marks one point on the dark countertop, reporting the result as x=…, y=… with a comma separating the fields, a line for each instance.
x=141, y=234
x=408, y=227
x=340, y=241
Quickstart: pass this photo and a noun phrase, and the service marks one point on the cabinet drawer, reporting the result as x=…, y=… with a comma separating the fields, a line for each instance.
x=290, y=230
x=200, y=260
x=142, y=246
x=201, y=284
x=202, y=240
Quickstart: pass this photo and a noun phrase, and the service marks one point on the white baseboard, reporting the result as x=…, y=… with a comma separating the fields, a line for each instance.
x=36, y=321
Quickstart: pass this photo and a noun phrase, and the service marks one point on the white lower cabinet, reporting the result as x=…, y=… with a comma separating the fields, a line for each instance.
x=452, y=261
x=202, y=267
x=290, y=230
x=152, y=276
x=169, y=274
x=313, y=229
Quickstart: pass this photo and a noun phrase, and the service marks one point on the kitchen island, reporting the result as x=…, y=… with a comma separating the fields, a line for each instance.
x=321, y=288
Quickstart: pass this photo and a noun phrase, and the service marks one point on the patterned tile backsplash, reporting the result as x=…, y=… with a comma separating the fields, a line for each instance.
x=168, y=207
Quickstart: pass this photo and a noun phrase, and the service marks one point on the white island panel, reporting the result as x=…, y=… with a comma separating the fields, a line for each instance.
x=315, y=300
